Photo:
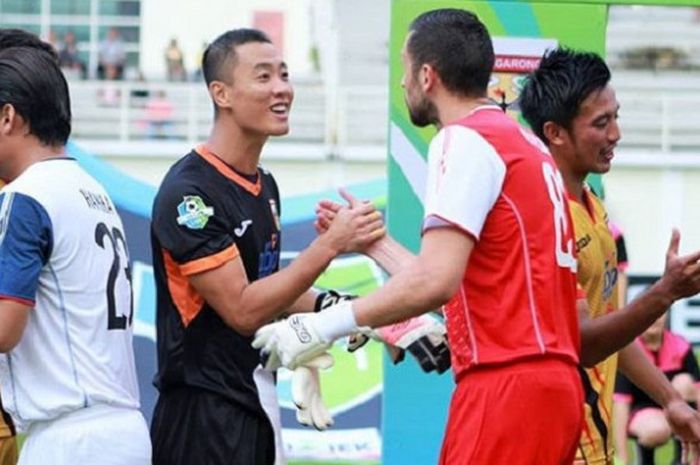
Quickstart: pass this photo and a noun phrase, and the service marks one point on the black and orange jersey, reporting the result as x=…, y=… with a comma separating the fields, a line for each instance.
x=205, y=214
x=597, y=275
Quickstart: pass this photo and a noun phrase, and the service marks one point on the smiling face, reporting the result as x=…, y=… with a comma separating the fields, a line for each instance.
x=594, y=133
x=256, y=91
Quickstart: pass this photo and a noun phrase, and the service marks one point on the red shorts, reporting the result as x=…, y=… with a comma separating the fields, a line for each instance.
x=526, y=413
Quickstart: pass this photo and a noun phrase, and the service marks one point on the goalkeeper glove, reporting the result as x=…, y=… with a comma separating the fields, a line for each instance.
x=327, y=299
x=424, y=336
x=306, y=393
x=304, y=336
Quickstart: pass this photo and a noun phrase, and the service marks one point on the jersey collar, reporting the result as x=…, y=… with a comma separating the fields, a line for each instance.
x=227, y=171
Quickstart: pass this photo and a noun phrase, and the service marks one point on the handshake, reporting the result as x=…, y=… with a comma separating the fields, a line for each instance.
x=302, y=341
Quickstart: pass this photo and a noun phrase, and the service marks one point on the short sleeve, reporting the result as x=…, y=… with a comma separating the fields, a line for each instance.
x=25, y=246
x=192, y=227
x=465, y=178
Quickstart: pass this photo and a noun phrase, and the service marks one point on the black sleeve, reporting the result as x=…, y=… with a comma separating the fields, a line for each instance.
x=622, y=385
x=621, y=250
x=690, y=364
x=189, y=223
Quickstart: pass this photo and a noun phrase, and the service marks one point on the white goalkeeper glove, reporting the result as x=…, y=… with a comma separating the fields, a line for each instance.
x=306, y=393
x=424, y=336
x=303, y=336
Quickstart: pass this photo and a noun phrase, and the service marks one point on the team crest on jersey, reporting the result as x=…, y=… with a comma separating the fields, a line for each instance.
x=193, y=212
x=275, y=214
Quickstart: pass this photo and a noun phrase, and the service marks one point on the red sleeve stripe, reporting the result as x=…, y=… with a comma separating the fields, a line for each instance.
x=19, y=300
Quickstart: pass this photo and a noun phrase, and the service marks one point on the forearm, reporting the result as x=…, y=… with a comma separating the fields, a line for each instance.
x=412, y=291
x=269, y=297
x=390, y=255
x=607, y=334
x=635, y=365
x=305, y=303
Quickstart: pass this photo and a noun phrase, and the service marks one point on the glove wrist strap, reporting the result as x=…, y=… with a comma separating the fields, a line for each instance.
x=337, y=321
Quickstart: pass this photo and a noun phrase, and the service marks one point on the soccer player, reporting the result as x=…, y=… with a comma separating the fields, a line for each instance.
x=67, y=368
x=216, y=247
x=497, y=249
x=569, y=103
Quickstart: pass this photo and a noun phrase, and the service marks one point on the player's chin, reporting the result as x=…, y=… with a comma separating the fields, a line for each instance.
x=278, y=128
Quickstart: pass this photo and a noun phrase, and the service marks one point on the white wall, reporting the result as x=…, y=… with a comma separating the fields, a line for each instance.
x=194, y=22
x=648, y=201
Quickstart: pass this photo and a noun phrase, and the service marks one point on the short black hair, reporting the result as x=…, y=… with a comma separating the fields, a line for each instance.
x=555, y=90
x=223, y=51
x=32, y=82
x=457, y=45
x=19, y=38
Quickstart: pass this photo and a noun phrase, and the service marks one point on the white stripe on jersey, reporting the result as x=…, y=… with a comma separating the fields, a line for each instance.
x=5, y=210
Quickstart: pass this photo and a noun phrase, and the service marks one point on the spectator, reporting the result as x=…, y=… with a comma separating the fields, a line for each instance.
x=159, y=113
x=68, y=57
x=112, y=56
x=174, y=62
x=638, y=415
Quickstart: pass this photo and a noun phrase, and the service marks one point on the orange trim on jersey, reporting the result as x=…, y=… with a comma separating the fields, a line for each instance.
x=185, y=297
x=227, y=171
x=210, y=262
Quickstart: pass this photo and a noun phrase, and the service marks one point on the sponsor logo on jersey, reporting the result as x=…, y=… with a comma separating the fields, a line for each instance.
x=239, y=231
x=583, y=242
x=193, y=212
x=610, y=280
x=268, y=260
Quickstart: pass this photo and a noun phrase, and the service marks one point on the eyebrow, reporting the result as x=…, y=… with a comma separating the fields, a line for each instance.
x=268, y=65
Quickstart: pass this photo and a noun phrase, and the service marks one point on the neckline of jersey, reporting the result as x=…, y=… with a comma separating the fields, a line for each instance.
x=227, y=171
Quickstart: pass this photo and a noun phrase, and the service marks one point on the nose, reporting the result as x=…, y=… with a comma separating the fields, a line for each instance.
x=283, y=87
x=614, y=133
x=403, y=81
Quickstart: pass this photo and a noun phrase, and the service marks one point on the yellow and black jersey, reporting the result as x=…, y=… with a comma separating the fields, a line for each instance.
x=597, y=275
x=205, y=214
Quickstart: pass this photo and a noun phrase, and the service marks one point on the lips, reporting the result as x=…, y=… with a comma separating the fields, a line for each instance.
x=280, y=109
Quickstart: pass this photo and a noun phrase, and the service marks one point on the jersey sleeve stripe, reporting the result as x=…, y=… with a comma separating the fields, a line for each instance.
x=210, y=262
x=434, y=221
x=185, y=297
x=19, y=300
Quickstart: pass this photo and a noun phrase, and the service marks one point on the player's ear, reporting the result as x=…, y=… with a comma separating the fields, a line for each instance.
x=427, y=77
x=554, y=133
x=220, y=93
x=8, y=119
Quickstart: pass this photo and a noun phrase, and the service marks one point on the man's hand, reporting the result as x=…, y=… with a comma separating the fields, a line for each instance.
x=681, y=277
x=370, y=224
x=685, y=424
x=423, y=336
x=306, y=393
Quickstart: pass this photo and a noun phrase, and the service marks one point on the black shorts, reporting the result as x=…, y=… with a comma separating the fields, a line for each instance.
x=195, y=427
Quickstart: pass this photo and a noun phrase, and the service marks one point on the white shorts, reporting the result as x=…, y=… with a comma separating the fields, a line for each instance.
x=99, y=434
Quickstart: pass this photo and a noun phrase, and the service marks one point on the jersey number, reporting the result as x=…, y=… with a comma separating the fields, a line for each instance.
x=555, y=188
x=116, y=238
